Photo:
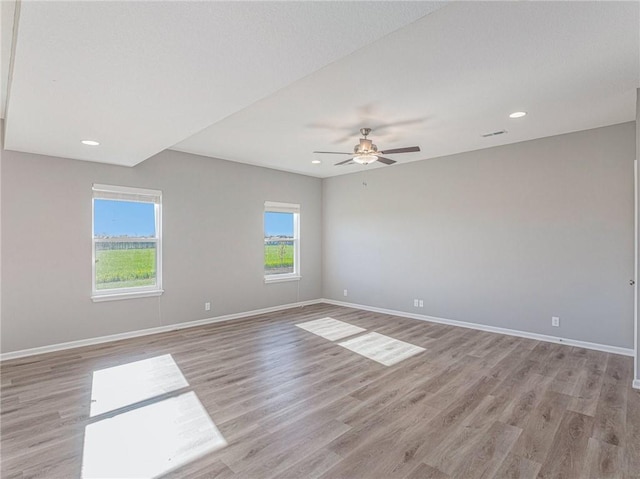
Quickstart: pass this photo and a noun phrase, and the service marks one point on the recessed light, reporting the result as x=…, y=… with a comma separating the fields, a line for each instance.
x=90, y=142
x=517, y=114
x=316, y=162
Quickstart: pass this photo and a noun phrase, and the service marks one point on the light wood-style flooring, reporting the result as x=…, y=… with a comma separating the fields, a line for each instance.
x=291, y=404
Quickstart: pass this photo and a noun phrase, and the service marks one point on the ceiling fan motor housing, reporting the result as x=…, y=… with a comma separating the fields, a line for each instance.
x=365, y=146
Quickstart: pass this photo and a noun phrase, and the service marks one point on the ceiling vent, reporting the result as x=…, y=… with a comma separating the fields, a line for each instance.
x=495, y=133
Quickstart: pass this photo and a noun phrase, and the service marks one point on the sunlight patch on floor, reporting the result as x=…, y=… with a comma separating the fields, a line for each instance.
x=121, y=386
x=381, y=348
x=150, y=441
x=331, y=329
x=137, y=430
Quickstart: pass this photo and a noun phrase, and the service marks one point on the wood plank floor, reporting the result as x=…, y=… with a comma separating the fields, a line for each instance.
x=291, y=404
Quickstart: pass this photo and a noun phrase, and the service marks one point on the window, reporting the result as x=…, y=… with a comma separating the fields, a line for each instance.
x=281, y=242
x=127, y=252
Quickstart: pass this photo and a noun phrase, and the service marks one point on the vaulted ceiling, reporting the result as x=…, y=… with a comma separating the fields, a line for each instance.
x=267, y=83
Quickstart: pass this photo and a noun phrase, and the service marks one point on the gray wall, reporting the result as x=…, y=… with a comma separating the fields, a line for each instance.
x=1, y=156
x=212, y=242
x=507, y=236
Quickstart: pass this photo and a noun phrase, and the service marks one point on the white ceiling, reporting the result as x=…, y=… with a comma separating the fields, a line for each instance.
x=7, y=17
x=267, y=83
x=142, y=76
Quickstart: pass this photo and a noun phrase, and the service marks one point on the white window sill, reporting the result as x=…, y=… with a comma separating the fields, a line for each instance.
x=282, y=278
x=117, y=296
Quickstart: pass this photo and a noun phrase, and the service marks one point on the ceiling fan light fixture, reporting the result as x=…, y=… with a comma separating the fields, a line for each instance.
x=365, y=159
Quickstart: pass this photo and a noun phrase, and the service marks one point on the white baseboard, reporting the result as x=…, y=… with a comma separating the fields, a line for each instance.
x=145, y=332
x=228, y=317
x=492, y=329
x=636, y=383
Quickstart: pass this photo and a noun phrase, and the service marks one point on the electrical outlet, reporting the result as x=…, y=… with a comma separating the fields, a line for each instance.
x=421, y=303
x=415, y=303
x=344, y=292
x=555, y=321
x=207, y=306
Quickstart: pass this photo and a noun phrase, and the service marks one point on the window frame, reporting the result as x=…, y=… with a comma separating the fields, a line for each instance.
x=131, y=194
x=294, y=208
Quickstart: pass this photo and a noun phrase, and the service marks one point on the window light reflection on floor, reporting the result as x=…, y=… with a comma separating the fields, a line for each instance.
x=331, y=329
x=382, y=349
x=127, y=384
x=140, y=432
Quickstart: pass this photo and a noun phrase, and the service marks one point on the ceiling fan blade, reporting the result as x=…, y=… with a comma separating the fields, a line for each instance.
x=408, y=149
x=333, y=152
x=384, y=126
x=386, y=161
x=350, y=160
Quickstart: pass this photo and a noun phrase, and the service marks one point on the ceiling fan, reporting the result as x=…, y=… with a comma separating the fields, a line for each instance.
x=366, y=152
